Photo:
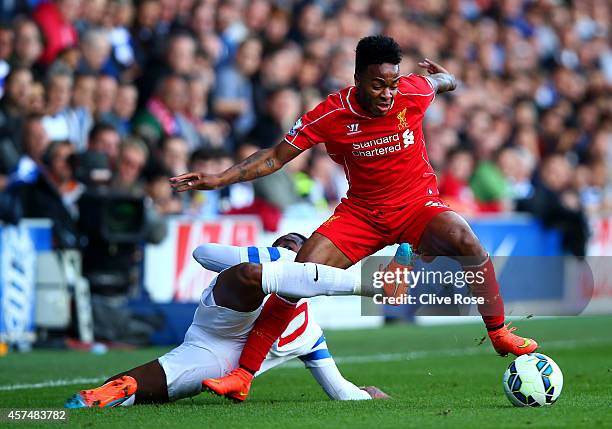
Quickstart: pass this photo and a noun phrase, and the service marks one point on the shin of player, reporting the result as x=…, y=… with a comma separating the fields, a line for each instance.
x=300, y=280
x=486, y=286
x=449, y=234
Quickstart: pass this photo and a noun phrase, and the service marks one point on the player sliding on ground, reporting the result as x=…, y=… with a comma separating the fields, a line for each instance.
x=225, y=315
x=374, y=130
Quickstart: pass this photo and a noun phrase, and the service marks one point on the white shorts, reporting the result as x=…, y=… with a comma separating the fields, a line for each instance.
x=214, y=341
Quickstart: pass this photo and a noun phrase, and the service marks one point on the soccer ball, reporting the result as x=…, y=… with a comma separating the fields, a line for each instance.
x=533, y=380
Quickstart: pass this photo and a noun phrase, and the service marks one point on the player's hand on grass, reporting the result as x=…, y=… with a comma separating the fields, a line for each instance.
x=199, y=181
x=432, y=67
x=375, y=392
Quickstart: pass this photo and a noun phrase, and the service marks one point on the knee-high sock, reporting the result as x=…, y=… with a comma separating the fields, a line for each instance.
x=485, y=285
x=269, y=326
x=306, y=279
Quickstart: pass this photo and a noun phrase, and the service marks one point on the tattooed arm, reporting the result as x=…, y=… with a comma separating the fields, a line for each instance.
x=261, y=163
x=440, y=78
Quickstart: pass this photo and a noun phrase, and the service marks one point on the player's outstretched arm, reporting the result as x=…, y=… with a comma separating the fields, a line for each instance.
x=441, y=79
x=261, y=163
x=336, y=386
x=217, y=257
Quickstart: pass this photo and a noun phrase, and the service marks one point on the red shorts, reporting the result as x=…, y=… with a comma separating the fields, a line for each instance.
x=359, y=232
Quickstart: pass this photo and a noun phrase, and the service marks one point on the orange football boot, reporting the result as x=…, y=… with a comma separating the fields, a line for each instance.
x=234, y=385
x=111, y=394
x=504, y=342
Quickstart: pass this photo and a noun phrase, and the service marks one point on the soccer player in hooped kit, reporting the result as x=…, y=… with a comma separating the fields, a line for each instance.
x=374, y=130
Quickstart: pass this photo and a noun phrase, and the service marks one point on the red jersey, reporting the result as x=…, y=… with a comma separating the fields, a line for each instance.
x=384, y=158
x=57, y=32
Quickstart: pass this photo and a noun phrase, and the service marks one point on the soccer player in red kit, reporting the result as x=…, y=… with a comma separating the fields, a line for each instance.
x=374, y=130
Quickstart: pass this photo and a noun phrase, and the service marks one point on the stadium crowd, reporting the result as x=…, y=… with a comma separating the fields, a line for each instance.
x=127, y=93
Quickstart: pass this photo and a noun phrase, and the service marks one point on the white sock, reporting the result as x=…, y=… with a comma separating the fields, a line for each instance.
x=306, y=279
x=129, y=401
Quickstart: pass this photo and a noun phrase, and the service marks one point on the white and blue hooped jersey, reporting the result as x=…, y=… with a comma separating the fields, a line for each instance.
x=303, y=337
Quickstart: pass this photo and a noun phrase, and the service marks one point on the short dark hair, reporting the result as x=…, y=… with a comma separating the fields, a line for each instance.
x=99, y=128
x=30, y=118
x=83, y=74
x=207, y=154
x=163, y=145
x=295, y=235
x=299, y=236
x=52, y=149
x=161, y=83
x=377, y=49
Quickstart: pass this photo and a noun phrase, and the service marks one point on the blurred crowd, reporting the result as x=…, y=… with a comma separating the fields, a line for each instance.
x=127, y=93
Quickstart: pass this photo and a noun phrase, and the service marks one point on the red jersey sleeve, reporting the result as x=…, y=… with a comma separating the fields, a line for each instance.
x=313, y=126
x=419, y=88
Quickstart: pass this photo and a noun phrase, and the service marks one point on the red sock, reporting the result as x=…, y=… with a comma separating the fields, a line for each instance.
x=269, y=326
x=485, y=285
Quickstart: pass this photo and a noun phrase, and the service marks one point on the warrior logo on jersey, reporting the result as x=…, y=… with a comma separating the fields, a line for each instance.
x=401, y=116
x=353, y=129
x=296, y=127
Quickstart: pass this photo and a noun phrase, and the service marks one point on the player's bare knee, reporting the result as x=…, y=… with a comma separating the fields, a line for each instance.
x=249, y=274
x=466, y=243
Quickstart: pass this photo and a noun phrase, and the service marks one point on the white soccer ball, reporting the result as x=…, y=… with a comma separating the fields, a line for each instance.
x=533, y=380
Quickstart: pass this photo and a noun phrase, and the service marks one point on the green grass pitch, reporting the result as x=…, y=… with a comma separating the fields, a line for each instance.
x=438, y=376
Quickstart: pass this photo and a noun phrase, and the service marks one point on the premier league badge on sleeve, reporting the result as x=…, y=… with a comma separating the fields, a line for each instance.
x=296, y=127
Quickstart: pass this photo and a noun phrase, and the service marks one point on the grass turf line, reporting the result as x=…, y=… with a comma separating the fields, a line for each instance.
x=432, y=391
